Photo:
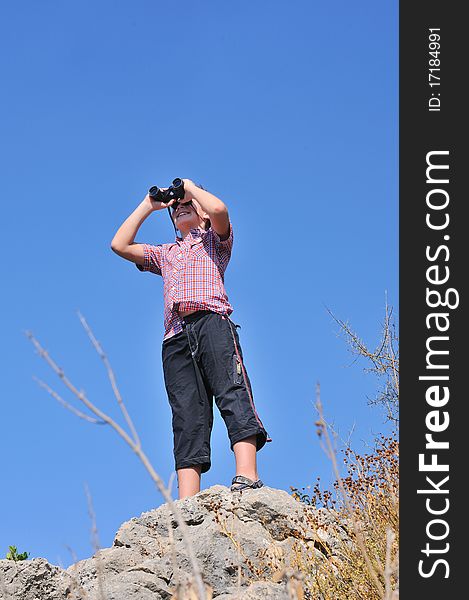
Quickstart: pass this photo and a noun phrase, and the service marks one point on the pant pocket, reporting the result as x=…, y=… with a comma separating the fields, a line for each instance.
x=237, y=371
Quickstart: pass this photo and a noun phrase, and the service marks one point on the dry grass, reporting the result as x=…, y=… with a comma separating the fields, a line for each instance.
x=365, y=505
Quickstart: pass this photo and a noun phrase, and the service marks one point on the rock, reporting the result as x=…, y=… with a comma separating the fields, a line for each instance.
x=34, y=579
x=257, y=591
x=252, y=535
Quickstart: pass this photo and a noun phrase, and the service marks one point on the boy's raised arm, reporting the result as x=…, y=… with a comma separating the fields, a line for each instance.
x=123, y=242
x=213, y=206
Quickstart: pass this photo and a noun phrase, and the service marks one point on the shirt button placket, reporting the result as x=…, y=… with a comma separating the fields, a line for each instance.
x=174, y=281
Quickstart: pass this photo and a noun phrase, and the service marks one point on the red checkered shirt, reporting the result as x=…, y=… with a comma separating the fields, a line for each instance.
x=193, y=274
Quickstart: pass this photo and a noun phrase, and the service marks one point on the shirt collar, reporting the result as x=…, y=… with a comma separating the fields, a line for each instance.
x=194, y=235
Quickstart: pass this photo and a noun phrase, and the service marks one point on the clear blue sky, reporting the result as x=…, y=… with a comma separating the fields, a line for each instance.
x=288, y=112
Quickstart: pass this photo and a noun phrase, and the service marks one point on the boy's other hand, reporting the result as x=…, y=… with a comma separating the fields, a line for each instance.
x=156, y=204
x=188, y=185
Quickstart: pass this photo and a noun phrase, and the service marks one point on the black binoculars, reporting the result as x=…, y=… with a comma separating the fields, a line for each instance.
x=175, y=190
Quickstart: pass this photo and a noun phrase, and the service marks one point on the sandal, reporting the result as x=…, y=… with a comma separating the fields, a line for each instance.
x=241, y=483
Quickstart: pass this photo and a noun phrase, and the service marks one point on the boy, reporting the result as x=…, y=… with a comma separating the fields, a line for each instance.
x=201, y=353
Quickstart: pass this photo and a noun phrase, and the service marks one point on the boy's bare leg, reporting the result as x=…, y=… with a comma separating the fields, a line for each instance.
x=188, y=481
x=245, y=455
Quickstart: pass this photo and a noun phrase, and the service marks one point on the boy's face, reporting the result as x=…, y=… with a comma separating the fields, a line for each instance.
x=189, y=215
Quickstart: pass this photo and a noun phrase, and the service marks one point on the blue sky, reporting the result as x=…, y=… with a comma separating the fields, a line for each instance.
x=286, y=111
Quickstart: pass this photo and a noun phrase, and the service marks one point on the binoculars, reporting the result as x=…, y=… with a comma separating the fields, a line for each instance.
x=175, y=190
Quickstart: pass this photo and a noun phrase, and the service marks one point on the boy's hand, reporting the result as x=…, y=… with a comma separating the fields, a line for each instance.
x=156, y=204
x=188, y=186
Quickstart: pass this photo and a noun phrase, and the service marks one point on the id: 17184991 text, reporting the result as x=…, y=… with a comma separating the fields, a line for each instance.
x=434, y=49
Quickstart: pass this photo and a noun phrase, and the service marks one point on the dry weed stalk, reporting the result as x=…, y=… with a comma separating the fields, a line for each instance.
x=95, y=543
x=79, y=593
x=182, y=590
x=132, y=440
x=228, y=531
x=76, y=590
x=171, y=537
x=238, y=549
x=359, y=538
x=189, y=592
x=391, y=565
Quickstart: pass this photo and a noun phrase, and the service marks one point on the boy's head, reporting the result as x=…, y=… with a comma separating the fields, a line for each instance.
x=190, y=215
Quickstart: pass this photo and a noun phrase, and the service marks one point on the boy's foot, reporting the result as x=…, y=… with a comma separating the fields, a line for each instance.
x=241, y=483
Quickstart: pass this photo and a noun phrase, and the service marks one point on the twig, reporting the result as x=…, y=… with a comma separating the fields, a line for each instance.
x=111, y=376
x=73, y=554
x=74, y=410
x=385, y=361
x=95, y=543
x=76, y=585
x=136, y=447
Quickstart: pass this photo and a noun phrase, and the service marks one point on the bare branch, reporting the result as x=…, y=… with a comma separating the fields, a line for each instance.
x=71, y=408
x=136, y=447
x=111, y=376
x=384, y=360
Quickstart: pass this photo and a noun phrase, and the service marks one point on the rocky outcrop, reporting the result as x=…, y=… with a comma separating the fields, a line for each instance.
x=247, y=545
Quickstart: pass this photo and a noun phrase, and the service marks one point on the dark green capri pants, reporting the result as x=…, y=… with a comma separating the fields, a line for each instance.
x=203, y=361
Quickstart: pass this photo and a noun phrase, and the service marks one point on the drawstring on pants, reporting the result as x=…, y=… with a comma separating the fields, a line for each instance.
x=193, y=352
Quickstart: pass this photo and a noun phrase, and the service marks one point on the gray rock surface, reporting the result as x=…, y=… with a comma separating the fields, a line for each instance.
x=243, y=542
